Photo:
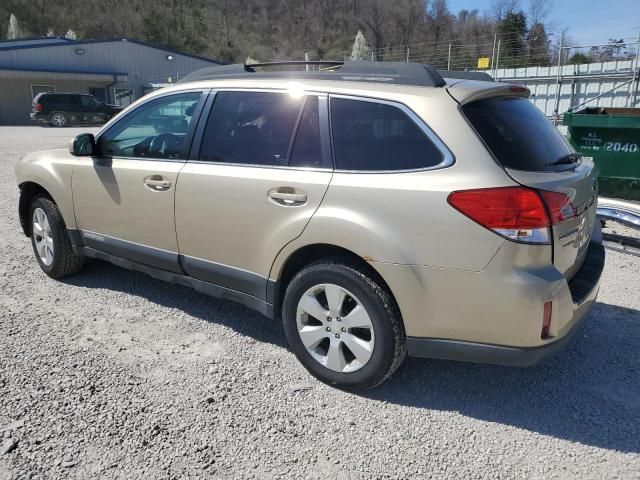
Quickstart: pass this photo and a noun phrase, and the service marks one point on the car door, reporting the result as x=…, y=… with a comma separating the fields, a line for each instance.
x=124, y=197
x=73, y=107
x=261, y=169
x=92, y=110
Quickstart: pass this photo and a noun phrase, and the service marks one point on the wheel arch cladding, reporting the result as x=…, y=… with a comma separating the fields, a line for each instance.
x=28, y=191
x=308, y=254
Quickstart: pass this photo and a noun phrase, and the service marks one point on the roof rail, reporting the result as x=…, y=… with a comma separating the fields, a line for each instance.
x=285, y=63
x=395, y=73
x=464, y=75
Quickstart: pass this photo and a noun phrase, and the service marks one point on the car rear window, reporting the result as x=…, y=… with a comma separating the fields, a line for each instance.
x=518, y=135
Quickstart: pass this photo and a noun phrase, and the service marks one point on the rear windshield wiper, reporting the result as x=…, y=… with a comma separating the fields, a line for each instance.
x=570, y=158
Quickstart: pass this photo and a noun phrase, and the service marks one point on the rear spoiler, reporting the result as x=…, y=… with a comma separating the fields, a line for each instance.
x=463, y=75
x=468, y=91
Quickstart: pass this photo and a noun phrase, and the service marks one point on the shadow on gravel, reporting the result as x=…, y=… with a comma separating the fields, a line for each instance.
x=590, y=393
x=99, y=274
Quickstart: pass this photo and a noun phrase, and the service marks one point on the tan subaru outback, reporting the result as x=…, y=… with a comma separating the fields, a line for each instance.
x=377, y=208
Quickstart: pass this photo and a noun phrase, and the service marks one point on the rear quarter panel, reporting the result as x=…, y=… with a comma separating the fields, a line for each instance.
x=404, y=218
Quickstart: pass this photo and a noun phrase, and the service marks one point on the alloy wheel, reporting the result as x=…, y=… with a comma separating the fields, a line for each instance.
x=41, y=232
x=58, y=120
x=335, y=328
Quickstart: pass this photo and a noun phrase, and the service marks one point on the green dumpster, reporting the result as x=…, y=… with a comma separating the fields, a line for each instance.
x=612, y=137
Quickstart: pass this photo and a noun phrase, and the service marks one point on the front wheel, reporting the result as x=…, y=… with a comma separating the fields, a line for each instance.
x=50, y=241
x=343, y=325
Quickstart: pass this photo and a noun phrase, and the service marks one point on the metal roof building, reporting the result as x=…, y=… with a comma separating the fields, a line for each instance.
x=116, y=71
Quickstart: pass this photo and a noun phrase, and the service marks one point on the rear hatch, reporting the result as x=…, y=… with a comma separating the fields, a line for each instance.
x=534, y=154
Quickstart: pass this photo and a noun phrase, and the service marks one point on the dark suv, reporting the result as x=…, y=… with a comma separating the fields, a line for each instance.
x=62, y=109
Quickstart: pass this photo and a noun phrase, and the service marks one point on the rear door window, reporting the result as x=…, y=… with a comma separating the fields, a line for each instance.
x=518, y=134
x=370, y=136
x=252, y=128
x=72, y=100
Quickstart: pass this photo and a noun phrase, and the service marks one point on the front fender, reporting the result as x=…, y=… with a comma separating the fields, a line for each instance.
x=51, y=170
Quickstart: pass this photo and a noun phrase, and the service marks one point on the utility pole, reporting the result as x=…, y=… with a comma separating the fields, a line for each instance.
x=556, y=99
x=449, y=59
x=633, y=88
x=493, y=52
x=306, y=59
x=497, y=59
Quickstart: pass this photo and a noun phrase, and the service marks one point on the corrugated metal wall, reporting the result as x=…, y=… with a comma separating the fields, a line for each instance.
x=604, y=76
x=142, y=64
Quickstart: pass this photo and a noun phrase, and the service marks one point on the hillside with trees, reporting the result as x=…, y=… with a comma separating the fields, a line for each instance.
x=232, y=30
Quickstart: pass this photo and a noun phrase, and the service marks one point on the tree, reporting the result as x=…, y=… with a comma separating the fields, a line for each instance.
x=232, y=30
x=360, y=49
x=579, y=57
x=14, y=31
x=538, y=44
x=501, y=8
x=563, y=40
x=374, y=17
x=439, y=22
x=512, y=31
x=615, y=50
x=539, y=11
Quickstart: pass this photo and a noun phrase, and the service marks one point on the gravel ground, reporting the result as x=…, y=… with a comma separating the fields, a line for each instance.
x=111, y=374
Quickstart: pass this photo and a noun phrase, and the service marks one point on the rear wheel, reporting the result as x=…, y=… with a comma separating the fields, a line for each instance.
x=58, y=119
x=343, y=326
x=50, y=241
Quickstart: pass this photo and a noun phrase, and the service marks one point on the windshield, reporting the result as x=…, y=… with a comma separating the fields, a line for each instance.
x=519, y=136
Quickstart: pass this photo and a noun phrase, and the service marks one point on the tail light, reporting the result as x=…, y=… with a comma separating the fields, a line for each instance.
x=546, y=319
x=559, y=205
x=518, y=213
x=37, y=107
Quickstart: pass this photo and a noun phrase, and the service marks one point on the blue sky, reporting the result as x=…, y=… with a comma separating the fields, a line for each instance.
x=589, y=21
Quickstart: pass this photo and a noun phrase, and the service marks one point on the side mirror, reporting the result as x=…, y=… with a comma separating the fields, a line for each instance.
x=84, y=145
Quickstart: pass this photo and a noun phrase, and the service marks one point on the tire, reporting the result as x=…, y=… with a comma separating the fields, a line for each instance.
x=48, y=230
x=384, y=339
x=58, y=120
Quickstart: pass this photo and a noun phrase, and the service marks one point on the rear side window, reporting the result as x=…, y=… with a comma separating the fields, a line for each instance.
x=73, y=100
x=252, y=128
x=517, y=134
x=369, y=136
x=51, y=99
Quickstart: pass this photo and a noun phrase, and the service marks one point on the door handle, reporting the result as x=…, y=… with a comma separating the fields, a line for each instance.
x=157, y=183
x=287, y=196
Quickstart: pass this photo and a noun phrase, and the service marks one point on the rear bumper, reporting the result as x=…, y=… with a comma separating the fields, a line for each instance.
x=484, y=353
x=38, y=118
x=583, y=289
